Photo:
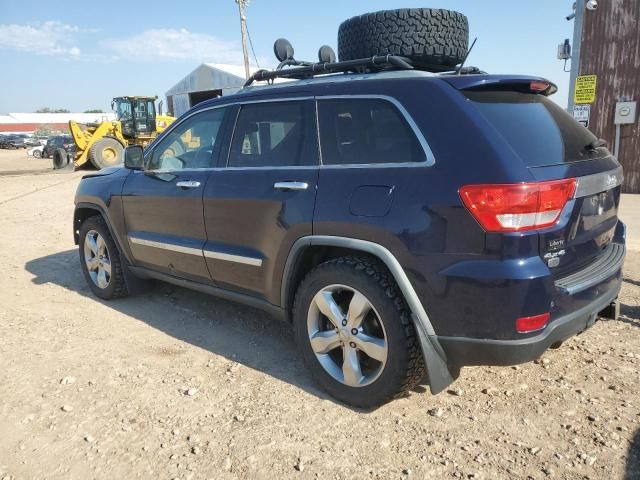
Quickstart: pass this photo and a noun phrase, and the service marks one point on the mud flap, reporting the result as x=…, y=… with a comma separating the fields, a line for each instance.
x=134, y=284
x=434, y=358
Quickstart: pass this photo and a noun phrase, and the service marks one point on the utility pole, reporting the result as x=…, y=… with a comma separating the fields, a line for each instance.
x=575, y=50
x=243, y=29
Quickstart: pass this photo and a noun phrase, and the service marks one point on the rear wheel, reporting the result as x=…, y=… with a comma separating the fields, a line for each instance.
x=100, y=260
x=106, y=152
x=354, y=330
x=37, y=153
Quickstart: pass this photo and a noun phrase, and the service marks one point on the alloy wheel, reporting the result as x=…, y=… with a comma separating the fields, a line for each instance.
x=97, y=259
x=347, y=335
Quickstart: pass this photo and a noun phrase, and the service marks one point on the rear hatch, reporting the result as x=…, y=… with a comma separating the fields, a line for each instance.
x=553, y=146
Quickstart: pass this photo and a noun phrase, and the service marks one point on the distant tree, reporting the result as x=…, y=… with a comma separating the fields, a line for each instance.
x=43, y=130
x=95, y=110
x=52, y=110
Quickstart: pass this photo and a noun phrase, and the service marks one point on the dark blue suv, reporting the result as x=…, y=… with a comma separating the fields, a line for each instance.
x=407, y=223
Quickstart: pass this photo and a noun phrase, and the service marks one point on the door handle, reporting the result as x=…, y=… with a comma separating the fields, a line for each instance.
x=188, y=184
x=291, y=185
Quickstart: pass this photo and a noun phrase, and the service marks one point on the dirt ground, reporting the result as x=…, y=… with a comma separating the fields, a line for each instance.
x=175, y=384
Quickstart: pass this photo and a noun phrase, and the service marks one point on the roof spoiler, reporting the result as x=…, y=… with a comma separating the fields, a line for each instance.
x=516, y=83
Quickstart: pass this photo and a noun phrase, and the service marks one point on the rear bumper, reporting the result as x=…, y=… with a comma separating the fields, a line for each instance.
x=461, y=351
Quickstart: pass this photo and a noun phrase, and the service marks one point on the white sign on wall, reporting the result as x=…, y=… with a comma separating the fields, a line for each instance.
x=582, y=113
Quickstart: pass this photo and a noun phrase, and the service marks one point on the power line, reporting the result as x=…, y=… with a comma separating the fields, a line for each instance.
x=252, y=50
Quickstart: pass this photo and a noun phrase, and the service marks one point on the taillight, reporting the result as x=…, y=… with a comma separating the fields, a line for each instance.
x=538, y=86
x=530, y=324
x=517, y=207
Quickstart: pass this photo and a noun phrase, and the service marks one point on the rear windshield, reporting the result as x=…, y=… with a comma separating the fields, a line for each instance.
x=538, y=130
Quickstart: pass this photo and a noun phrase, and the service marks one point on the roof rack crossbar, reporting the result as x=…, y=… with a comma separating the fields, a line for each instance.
x=310, y=70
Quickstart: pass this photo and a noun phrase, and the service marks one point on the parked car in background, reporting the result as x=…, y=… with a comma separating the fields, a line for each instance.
x=32, y=141
x=12, y=142
x=57, y=141
x=35, y=151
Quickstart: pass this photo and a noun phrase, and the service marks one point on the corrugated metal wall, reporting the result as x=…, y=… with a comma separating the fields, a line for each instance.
x=611, y=50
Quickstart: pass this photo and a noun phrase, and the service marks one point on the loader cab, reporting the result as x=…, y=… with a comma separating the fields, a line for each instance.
x=137, y=115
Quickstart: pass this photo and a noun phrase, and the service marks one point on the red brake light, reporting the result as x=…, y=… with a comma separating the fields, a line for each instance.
x=538, y=86
x=517, y=207
x=530, y=324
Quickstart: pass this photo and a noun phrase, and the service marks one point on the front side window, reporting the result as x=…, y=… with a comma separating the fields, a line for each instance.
x=274, y=134
x=365, y=131
x=190, y=144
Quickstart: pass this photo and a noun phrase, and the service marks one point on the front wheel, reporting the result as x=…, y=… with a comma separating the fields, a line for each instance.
x=37, y=153
x=106, y=152
x=100, y=260
x=355, y=332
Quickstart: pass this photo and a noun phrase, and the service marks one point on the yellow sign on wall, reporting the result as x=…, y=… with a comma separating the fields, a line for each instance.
x=585, y=91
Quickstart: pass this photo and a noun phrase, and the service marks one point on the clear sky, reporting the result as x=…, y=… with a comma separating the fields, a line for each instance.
x=79, y=55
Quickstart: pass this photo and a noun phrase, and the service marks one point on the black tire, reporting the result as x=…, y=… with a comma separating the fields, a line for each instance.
x=117, y=286
x=106, y=152
x=428, y=36
x=404, y=367
x=37, y=154
x=60, y=159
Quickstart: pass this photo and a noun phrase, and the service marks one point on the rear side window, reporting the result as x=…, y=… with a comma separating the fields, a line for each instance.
x=539, y=131
x=365, y=131
x=274, y=134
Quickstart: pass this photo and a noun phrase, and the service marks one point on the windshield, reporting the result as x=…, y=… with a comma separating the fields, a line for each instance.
x=123, y=109
x=537, y=129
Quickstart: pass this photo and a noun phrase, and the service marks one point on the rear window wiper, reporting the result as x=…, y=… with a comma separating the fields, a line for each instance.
x=597, y=143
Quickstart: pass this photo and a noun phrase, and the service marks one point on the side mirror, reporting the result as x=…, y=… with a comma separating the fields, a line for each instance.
x=133, y=158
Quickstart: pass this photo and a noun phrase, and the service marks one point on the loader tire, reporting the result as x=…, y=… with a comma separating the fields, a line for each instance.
x=60, y=158
x=106, y=152
x=429, y=37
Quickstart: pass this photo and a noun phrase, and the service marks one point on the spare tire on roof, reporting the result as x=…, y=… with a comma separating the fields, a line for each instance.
x=428, y=36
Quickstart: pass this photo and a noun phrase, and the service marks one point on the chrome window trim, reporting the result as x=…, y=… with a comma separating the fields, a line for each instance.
x=293, y=167
x=255, y=262
x=429, y=157
x=598, y=182
x=181, y=120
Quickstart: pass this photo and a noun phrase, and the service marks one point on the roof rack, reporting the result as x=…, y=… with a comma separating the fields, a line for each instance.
x=378, y=62
x=328, y=64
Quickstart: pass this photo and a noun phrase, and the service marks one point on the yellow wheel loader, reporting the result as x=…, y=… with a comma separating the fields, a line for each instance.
x=102, y=144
